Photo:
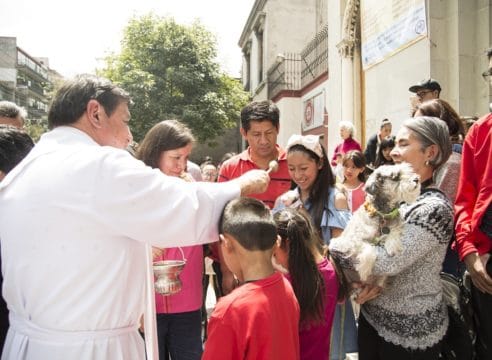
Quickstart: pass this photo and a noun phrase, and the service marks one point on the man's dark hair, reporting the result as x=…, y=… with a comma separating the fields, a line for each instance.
x=15, y=144
x=71, y=100
x=260, y=111
x=250, y=222
x=489, y=53
x=11, y=110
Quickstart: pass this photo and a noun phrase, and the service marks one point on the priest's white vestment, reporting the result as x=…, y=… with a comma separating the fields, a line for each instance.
x=75, y=218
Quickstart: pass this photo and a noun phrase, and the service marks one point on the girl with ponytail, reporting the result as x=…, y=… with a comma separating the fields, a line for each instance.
x=300, y=254
x=328, y=210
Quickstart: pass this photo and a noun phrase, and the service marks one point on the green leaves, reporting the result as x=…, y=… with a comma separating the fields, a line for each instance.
x=171, y=72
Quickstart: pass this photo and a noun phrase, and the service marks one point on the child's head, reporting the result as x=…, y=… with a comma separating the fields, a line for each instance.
x=383, y=156
x=299, y=243
x=354, y=165
x=310, y=170
x=246, y=226
x=307, y=161
x=386, y=146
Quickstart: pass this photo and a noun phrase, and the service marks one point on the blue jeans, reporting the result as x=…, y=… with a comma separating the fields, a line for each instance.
x=180, y=335
x=344, y=331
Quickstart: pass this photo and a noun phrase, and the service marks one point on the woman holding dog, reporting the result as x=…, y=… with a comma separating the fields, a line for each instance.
x=408, y=319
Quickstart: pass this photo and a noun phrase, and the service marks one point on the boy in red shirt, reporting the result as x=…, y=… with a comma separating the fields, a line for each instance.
x=260, y=318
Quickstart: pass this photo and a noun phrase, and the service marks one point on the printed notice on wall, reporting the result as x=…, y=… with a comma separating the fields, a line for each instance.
x=389, y=26
x=313, y=112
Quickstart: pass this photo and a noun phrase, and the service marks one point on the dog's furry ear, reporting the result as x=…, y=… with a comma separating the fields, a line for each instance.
x=371, y=187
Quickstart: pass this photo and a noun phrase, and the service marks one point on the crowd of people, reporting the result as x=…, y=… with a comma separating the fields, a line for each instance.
x=83, y=218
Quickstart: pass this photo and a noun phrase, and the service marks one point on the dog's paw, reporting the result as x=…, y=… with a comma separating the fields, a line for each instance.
x=393, y=246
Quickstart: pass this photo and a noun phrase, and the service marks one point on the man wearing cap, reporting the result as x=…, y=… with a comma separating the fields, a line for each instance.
x=372, y=146
x=427, y=89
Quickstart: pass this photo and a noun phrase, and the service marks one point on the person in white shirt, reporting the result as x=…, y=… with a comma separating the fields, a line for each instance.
x=78, y=217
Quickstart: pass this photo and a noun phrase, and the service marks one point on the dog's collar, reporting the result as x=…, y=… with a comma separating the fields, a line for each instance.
x=372, y=211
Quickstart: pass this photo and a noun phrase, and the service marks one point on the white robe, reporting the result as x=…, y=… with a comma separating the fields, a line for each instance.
x=74, y=220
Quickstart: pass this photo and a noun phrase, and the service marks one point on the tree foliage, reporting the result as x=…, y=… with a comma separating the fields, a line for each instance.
x=171, y=72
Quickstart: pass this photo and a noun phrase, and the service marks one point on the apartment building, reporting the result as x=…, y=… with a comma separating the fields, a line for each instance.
x=25, y=79
x=323, y=61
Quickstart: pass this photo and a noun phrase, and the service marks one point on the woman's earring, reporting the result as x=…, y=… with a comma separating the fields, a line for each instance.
x=426, y=163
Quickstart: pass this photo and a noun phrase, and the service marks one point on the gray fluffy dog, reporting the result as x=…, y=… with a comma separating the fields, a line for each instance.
x=376, y=224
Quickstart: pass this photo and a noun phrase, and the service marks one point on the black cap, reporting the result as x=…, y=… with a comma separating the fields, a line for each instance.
x=427, y=84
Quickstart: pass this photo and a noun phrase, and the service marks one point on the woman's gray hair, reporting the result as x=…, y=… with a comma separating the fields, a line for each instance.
x=431, y=131
x=347, y=125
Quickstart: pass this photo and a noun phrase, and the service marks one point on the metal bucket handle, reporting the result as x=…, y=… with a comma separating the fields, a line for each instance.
x=182, y=254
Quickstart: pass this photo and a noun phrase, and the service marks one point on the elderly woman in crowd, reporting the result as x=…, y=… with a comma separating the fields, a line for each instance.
x=408, y=319
x=347, y=133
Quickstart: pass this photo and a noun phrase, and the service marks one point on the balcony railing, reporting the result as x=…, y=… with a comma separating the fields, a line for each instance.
x=284, y=74
x=31, y=85
x=315, y=57
x=294, y=71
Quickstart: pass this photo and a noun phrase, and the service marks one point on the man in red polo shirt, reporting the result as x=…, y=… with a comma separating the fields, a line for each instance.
x=259, y=127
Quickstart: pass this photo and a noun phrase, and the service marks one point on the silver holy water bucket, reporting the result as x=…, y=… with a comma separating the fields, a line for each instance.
x=167, y=275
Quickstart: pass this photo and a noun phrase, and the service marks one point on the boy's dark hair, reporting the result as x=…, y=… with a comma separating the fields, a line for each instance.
x=259, y=111
x=250, y=222
x=71, y=100
x=15, y=144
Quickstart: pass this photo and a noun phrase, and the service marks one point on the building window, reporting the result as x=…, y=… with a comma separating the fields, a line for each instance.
x=259, y=38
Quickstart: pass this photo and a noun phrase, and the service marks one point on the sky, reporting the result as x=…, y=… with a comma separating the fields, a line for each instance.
x=76, y=35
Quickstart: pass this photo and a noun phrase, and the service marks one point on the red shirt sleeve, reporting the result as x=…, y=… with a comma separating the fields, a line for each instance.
x=472, y=185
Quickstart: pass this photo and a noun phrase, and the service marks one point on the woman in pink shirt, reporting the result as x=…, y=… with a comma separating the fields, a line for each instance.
x=167, y=147
x=300, y=255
